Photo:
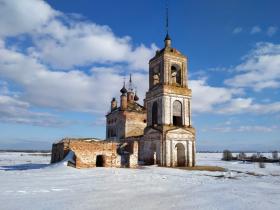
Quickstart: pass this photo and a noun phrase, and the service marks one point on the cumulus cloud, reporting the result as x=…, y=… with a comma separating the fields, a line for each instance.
x=64, y=41
x=86, y=44
x=226, y=101
x=245, y=128
x=205, y=97
x=76, y=90
x=50, y=71
x=271, y=30
x=260, y=68
x=237, y=30
x=256, y=29
x=19, y=17
x=248, y=105
x=13, y=110
x=72, y=90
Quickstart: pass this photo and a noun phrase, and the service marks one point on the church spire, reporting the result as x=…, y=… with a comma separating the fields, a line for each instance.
x=167, y=39
x=130, y=87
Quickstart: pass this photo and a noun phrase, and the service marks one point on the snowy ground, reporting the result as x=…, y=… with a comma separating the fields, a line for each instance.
x=29, y=182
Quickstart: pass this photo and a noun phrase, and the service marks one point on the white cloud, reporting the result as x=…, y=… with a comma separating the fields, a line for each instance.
x=256, y=29
x=260, y=69
x=72, y=90
x=87, y=43
x=63, y=41
x=237, y=30
x=75, y=90
x=245, y=128
x=59, y=42
x=255, y=128
x=226, y=101
x=4, y=88
x=18, y=17
x=248, y=105
x=13, y=110
x=237, y=105
x=205, y=97
x=271, y=30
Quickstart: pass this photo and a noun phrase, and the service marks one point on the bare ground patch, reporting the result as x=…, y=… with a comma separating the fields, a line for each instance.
x=204, y=168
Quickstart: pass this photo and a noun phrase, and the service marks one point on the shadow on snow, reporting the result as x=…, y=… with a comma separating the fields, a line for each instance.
x=20, y=167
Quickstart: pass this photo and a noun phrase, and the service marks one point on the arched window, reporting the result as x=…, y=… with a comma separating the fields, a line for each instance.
x=154, y=113
x=177, y=113
x=176, y=75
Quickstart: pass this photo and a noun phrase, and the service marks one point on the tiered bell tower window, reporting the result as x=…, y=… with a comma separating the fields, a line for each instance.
x=176, y=77
x=177, y=113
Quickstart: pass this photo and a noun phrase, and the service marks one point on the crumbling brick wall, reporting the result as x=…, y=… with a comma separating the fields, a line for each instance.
x=135, y=124
x=88, y=152
x=133, y=158
x=58, y=152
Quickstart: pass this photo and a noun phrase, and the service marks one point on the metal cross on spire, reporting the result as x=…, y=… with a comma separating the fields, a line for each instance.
x=124, y=81
x=167, y=39
x=166, y=10
x=130, y=84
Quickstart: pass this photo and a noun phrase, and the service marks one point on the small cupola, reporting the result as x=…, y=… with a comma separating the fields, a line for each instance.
x=123, y=90
x=136, y=98
x=167, y=41
x=114, y=104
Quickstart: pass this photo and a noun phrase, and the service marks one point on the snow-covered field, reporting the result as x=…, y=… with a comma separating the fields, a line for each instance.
x=29, y=182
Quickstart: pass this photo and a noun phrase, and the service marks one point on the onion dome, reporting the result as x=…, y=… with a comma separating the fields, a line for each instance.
x=123, y=90
x=136, y=98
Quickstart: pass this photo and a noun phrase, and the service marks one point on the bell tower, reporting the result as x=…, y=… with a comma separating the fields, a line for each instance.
x=168, y=98
x=169, y=138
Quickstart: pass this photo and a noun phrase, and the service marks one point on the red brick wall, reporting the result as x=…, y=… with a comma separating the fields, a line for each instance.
x=87, y=152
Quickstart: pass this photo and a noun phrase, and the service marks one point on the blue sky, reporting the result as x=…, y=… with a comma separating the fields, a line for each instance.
x=62, y=62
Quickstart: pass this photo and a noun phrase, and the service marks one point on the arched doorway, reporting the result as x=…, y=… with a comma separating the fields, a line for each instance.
x=181, y=157
x=100, y=161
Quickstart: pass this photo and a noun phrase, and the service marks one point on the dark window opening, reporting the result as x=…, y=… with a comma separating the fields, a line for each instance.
x=99, y=161
x=112, y=132
x=155, y=113
x=177, y=113
x=177, y=121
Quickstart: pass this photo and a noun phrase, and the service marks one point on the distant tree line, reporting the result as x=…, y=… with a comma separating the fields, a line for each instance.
x=25, y=150
x=258, y=157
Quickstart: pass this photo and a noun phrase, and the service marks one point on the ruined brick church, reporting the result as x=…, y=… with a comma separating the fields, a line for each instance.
x=159, y=132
